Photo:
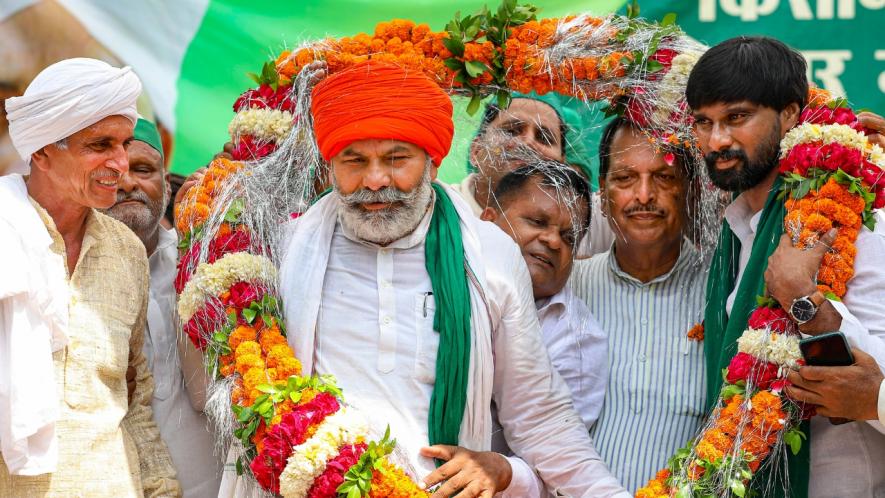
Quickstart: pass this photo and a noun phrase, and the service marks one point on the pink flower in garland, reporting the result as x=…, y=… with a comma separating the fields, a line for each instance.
x=205, y=321
x=326, y=485
x=825, y=115
x=775, y=319
x=243, y=293
x=236, y=241
x=187, y=264
x=828, y=157
x=747, y=367
x=249, y=149
x=265, y=97
x=290, y=432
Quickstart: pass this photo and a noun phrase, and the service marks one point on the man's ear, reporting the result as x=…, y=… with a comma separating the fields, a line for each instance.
x=40, y=159
x=434, y=170
x=603, y=198
x=489, y=214
x=790, y=117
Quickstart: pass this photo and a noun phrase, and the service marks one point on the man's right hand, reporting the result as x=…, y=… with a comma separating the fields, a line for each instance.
x=850, y=392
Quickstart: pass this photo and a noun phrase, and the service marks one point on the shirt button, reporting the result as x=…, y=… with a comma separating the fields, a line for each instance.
x=642, y=358
x=643, y=321
x=386, y=320
x=385, y=283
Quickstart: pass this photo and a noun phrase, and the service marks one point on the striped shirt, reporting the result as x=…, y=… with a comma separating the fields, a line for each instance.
x=654, y=402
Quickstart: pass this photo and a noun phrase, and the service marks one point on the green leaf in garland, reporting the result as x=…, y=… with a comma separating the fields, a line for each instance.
x=669, y=19
x=249, y=314
x=455, y=46
x=473, y=106
x=475, y=68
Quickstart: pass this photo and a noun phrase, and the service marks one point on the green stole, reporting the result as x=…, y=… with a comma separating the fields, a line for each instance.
x=722, y=331
x=445, y=261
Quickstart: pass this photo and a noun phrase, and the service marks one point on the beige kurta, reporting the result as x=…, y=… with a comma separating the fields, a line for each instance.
x=107, y=446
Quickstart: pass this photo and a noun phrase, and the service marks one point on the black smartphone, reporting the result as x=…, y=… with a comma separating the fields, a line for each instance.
x=827, y=350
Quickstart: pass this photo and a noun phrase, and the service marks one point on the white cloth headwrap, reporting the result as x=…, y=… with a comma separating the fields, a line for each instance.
x=65, y=98
x=34, y=301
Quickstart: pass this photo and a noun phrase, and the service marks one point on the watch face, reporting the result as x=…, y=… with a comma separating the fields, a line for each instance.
x=803, y=310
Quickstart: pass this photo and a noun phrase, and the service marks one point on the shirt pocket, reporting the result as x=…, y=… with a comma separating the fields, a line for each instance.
x=427, y=338
x=687, y=389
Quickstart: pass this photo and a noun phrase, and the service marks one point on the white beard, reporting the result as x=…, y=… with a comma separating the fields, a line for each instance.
x=385, y=225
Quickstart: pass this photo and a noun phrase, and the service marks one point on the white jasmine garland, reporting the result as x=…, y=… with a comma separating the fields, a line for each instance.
x=780, y=349
x=263, y=124
x=673, y=87
x=212, y=279
x=308, y=460
x=826, y=134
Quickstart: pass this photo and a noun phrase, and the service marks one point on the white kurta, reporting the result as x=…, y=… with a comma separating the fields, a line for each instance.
x=185, y=430
x=371, y=333
x=846, y=460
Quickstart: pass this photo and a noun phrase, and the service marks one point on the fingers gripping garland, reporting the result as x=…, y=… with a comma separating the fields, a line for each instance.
x=294, y=434
x=833, y=178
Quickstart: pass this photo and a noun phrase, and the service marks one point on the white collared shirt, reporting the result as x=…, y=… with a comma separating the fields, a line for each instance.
x=184, y=430
x=578, y=349
x=846, y=460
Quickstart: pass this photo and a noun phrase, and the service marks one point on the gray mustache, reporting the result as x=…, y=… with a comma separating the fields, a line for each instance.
x=384, y=195
x=649, y=208
x=135, y=195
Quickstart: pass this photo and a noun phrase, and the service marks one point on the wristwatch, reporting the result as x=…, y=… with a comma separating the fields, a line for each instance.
x=804, y=308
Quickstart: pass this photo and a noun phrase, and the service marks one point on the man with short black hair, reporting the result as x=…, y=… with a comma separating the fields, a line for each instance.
x=545, y=209
x=745, y=94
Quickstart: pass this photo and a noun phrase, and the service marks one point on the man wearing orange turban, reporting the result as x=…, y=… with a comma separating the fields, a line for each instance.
x=423, y=312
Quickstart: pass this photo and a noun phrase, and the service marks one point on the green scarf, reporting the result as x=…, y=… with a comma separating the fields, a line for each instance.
x=444, y=254
x=721, y=332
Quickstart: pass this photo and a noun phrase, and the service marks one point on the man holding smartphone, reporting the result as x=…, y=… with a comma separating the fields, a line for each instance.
x=854, y=392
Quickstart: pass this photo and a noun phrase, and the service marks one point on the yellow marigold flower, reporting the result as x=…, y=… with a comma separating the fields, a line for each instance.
x=248, y=347
x=247, y=362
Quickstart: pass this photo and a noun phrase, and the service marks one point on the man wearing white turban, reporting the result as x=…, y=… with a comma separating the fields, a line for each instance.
x=73, y=297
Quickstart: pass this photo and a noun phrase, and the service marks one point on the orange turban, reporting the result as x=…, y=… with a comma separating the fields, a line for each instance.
x=379, y=100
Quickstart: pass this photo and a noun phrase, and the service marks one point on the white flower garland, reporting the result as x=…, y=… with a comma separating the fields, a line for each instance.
x=673, y=87
x=308, y=460
x=211, y=280
x=780, y=349
x=263, y=124
x=826, y=134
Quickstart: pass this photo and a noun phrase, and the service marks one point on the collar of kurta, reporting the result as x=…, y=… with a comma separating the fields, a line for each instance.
x=688, y=255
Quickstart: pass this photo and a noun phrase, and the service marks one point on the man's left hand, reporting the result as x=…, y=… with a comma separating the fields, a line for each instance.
x=791, y=271
x=467, y=473
x=850, y=392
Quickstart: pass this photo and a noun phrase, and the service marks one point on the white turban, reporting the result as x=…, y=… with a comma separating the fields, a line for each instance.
x=65, y=98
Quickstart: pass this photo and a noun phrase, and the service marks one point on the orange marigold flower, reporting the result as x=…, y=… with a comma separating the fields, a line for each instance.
x=389, y=481
x=696, y=333
x=707, y=451
x=248, y=347
x=247, y=362
x=253, y=378
x=241, y=334
x=818, y=97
